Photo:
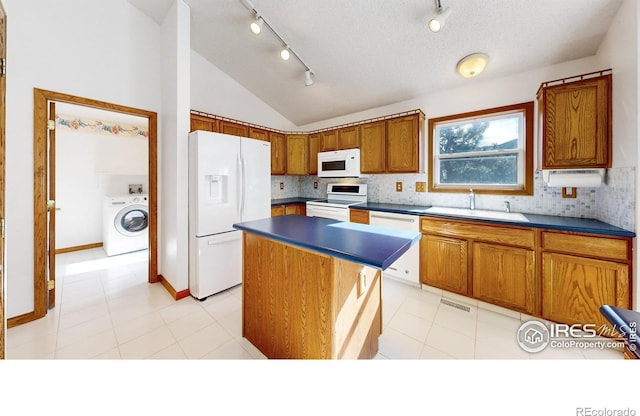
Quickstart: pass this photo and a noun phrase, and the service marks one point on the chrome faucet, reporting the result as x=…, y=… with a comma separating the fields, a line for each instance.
x=507, y=206
x=472, y=199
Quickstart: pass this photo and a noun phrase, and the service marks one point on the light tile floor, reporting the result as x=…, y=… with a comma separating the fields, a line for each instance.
x=107, y=310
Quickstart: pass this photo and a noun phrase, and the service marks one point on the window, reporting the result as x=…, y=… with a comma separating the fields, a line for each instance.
x=489, y=151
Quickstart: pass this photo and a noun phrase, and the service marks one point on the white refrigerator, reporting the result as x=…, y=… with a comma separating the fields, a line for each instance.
x=229, y=182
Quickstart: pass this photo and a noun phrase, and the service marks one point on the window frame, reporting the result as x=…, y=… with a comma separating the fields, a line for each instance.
x=525, y=164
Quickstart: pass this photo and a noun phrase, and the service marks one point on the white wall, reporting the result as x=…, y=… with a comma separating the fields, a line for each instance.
x=100, y=49
x=215, y=92
x=174, y=215
x=90, y=166
x=619, y=51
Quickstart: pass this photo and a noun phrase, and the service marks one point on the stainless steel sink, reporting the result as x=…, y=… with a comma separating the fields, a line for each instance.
x=478, y=213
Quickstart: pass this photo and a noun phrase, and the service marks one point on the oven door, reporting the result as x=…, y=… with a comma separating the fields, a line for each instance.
x=332, y=213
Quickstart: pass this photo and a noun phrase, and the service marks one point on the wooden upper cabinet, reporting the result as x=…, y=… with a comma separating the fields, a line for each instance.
x=349, y=138
x=314, y=147
x=372, y=147
x=576, y=123
x=259, y=134
x=235, y=129
x=403, y=143
x=203, y=123
x=297, y=154
x=329, y=140
x=278, y=153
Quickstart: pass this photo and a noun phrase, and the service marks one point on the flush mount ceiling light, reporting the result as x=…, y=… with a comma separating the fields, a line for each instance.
x=286, y=52
x=472, y=65
x=436, y=23
x=256, y=25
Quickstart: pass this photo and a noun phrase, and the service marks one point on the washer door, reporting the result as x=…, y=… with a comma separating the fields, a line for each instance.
x=133, y=220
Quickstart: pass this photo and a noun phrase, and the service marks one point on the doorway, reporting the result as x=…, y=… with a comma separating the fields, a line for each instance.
x=44, y=204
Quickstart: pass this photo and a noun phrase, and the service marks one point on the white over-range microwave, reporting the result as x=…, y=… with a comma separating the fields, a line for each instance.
x=339, y=164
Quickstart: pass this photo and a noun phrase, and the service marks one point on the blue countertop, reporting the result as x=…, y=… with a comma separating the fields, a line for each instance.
x=373, y=246
x=294, y=200
x=583, y=225
x=626, y=323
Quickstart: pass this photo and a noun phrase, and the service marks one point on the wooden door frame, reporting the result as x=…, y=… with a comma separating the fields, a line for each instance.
x=3, y=55
x=41, y=98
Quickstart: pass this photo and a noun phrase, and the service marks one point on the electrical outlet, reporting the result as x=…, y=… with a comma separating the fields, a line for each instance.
x=421, y=187
x=281, y=185
x=315, y=185
x=398, y=186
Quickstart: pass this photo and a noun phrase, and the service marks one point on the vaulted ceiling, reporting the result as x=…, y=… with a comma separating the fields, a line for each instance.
x=370, y=53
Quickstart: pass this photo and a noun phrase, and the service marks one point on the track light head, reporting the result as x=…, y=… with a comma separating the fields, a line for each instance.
x=308, y=78
x=285, y=54
x=436, y=23
x=256, y=25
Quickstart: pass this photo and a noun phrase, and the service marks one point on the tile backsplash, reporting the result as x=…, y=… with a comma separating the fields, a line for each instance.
x=613, y=202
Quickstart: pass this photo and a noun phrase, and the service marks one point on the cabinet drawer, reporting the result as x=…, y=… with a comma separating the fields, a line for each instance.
x=602, y=247
x=475, y=231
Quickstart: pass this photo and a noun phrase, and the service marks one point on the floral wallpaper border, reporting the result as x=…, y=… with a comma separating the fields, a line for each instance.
x=101, y=127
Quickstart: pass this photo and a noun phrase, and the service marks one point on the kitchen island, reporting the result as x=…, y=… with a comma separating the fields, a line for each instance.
x=312, y=286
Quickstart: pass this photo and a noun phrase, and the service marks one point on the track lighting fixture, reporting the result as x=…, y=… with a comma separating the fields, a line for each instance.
x=436, y=23
x=308, y=78
x=286, y=52
x=256, y=25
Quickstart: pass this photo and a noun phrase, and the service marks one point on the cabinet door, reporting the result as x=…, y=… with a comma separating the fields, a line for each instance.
x=328, y=140
x=235, y=129
x=278, y=153
x=359, y=216
x=297, y=154
x=443, y=263
x=259, y=134
x=403, y=140
x=505, y=276
x=314, y=147
x=574, y=288
x=577, y=124
x=203, y=123
x=297, y=209
x=348, y=138
x=277, y=211
x=372, y=147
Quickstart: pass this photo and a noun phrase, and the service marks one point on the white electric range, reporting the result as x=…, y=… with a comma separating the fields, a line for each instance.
x=340, y=196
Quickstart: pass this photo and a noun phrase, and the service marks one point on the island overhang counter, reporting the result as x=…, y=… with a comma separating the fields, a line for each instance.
x=312, y=287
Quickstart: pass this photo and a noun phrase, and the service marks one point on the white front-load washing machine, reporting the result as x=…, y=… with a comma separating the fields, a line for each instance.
x=126, y=224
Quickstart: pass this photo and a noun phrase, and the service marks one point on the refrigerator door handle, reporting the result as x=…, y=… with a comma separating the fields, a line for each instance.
x=240, y=195
x=244, y=182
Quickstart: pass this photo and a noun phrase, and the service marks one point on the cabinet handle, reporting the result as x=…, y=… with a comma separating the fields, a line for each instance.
x=574, y=148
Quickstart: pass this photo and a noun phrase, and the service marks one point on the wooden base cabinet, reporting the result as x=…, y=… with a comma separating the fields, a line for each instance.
x=574, y=288
x=289, y=209
x=335, y=312
x=505, y=276
x=445, y=263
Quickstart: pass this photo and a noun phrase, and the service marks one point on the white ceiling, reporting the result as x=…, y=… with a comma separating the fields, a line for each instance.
x=370, y=53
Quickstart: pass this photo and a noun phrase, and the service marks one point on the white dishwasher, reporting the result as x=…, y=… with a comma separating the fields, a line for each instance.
x=407, y=267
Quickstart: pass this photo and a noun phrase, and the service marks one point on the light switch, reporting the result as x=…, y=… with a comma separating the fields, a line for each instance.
x=281, y=185
x=421, y=187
